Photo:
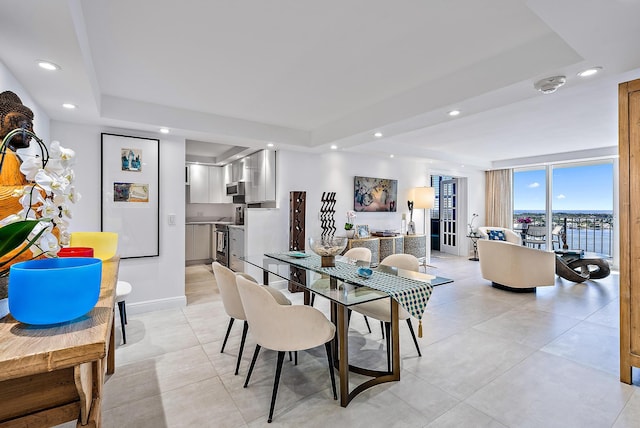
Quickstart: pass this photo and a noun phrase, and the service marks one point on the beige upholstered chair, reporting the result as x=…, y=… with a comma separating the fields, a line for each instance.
x=509, y=234
x=226, y=280
x=381, y=309
x=515, y=267
x=283, y=328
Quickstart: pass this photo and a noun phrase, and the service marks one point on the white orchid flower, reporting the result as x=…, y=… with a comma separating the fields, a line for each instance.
x=47, y=244
x=30, y=167
x=56, y=151
x=30, y=199
x=49, y=209
x=51, y=182
x=74, y=196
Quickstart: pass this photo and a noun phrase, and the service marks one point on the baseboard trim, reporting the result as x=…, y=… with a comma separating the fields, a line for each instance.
x=156, y=305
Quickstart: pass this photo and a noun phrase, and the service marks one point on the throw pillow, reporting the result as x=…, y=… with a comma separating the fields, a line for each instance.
x=497, y=235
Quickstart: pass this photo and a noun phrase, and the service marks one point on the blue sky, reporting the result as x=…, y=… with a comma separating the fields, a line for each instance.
x=583, y=188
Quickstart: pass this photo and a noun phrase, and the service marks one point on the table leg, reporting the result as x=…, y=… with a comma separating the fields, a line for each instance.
x=343, y=342
x=111, y=352
x=395, y=340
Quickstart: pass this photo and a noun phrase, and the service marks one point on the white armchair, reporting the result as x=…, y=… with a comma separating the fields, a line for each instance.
x=509, y=234
x=514, y=267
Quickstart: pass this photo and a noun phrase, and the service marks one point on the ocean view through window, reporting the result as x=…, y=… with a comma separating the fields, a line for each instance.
x=579, y=206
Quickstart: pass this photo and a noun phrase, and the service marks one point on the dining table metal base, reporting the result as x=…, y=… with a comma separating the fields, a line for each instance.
x=340, y=317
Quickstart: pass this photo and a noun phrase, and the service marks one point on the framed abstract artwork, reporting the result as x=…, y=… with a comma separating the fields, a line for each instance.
x=374, y=194
x=130, y=193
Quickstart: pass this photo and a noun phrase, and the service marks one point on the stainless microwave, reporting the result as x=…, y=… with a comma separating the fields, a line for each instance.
x=235, y=189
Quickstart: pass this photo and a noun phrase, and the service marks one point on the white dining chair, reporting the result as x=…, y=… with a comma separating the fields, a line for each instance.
x=283, y=328
x=226, y=280
x=381, y=309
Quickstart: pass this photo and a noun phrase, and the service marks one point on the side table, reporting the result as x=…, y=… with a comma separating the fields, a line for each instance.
x=474, y=240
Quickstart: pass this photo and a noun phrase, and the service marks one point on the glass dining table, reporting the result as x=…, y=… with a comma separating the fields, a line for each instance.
x=344, y=288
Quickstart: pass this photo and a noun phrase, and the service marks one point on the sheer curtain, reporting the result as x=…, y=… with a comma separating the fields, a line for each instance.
x=499, y=198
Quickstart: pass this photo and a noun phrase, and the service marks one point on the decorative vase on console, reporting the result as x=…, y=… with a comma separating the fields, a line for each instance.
x=348, y=226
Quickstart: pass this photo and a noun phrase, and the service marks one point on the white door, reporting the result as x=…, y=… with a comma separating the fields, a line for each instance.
x=449, y=218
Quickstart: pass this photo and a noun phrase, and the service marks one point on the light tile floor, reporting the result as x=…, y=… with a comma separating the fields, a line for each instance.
x=491, y=358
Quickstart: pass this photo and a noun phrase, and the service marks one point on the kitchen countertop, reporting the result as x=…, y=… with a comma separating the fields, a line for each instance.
x=205, y=220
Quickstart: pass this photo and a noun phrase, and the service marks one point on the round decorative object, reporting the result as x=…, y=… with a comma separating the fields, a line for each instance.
x=327, y=247
x=51, y=291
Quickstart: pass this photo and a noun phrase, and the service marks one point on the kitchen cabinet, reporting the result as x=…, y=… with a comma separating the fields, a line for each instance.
x=236, y=248
x=206, y=185
x=261, y=177
x=198, y=242
x=198, y=184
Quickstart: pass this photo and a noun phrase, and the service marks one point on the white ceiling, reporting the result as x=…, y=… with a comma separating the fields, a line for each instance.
x=306, y=74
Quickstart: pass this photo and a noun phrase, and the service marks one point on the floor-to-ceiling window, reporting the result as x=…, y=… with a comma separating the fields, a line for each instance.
x=530, y=196
x=573, y=201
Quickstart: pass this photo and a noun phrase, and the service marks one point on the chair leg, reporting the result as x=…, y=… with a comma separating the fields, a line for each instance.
x=295, y=356
x=387, y=327
x=124, y=309
x=224, y=343
x=290, y=356
x=366, y=321
x=331, y=374
x=245, y=328
x=382, y=328
x=276, y=381
x=122, y=321
x=253, y=363
x=313, y=299
x=414, y=337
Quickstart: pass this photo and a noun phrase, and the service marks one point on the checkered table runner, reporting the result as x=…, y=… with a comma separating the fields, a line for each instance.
x=410, y=294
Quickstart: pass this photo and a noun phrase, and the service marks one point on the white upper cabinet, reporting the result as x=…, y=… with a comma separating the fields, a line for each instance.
x=261, y=180
x=206, y=185
x=198, y=184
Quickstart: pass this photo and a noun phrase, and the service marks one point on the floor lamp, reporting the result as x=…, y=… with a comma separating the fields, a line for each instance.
x=424, y=197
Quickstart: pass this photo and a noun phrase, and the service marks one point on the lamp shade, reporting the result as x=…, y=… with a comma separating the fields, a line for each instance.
x=423, y=197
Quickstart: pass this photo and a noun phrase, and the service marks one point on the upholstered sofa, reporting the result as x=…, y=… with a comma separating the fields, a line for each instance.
x=513, y=267
x=510, y=235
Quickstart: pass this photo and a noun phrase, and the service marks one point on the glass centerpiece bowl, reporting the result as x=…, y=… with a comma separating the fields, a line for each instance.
x=327, y=247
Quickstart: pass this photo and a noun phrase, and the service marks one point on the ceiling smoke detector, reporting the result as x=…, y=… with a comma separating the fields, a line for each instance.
x=550, y=84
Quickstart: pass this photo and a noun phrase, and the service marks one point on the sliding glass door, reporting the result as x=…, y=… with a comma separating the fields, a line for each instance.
x=573, y=202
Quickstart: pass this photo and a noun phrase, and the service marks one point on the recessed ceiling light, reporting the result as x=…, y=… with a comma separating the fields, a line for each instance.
x=378, y=134
x=270, y=145
x=391, y=156
x=334, y=147
x=589, y=71
x=164, y=130
x=48, y=65
x=454, y=112
x=69, y=106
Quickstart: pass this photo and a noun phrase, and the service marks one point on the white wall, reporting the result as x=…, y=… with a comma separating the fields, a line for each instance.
x=268, y=230
x=158, y=282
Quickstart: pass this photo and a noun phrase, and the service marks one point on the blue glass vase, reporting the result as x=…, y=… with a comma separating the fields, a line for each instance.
x=51, y=291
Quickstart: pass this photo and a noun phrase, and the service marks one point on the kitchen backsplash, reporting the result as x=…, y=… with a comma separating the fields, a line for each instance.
x=210, y=210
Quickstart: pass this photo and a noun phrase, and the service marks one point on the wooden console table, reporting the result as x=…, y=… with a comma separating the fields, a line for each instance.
x=52, y=375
